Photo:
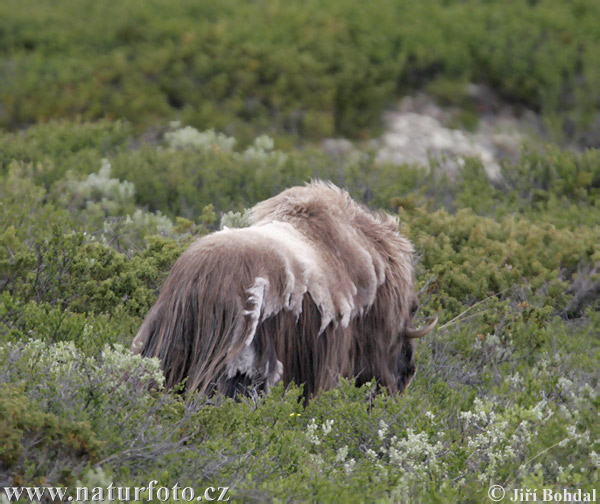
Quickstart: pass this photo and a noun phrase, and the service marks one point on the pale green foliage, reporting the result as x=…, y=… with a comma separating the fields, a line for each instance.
x=507, y=387
x=128, y=234
x=190, y=138
x=106, y=199
x=187, y=137
x=100, y=192
x=161, y=224
x=262, y=150
x=115, y=370
x=236, y=219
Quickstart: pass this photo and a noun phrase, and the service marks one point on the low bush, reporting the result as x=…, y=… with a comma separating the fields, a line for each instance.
x=507, y=388
x=314, y=70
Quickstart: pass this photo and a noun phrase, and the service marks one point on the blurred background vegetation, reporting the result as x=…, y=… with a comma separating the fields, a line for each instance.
x=310, y=68
x=129, y=129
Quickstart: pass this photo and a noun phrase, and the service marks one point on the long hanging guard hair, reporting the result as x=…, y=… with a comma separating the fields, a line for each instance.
x=318, y=287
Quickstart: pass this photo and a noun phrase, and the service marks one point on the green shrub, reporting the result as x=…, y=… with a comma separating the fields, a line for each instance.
x=314, y=70
x=507, y=388
x=37, y=446
x=466, y=257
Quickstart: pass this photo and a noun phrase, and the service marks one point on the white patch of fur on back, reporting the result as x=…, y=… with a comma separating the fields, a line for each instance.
x=374, y=247
x=313, y=276
x=307, y=271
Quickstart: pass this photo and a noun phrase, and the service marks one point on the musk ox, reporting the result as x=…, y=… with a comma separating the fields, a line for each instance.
x=317, y=288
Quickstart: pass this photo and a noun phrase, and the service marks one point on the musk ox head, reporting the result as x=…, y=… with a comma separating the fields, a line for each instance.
x=318, y=287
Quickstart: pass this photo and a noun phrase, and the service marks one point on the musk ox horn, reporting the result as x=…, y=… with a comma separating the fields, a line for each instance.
x=413, y=333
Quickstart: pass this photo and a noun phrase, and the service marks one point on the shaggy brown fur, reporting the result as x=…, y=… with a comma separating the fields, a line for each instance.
x=318, y=287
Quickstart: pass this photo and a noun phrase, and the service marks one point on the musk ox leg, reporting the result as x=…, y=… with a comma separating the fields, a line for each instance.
x=244, y=384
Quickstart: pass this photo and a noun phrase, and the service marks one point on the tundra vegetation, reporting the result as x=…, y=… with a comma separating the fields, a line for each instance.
x=312, y=68
x=94, y=211
x=506, y=390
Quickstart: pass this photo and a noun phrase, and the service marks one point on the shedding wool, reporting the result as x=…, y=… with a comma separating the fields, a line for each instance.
x=318, y=287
